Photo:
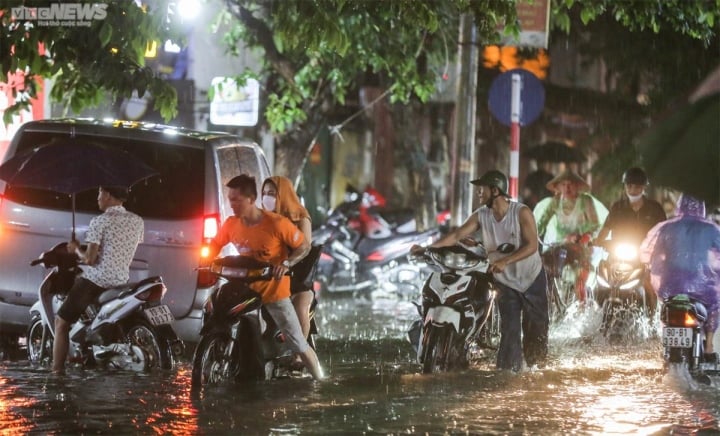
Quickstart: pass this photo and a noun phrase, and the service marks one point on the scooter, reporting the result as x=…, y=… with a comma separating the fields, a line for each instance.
x=239, y=340
x=126, y=328
x=363, y=251
x=683, y=337
x=619, y=291
x=351, y=262
x=458, y=309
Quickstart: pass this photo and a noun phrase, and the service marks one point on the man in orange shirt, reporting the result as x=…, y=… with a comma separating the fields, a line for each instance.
x=271, y=238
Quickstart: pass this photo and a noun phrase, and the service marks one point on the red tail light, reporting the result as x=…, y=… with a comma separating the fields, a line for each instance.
x=155, y=293
x=682, y=318
x=690, y=321
x=211, y=225
x=375, y=256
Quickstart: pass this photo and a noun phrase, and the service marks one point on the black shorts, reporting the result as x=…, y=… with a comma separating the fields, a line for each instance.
x=82, y=293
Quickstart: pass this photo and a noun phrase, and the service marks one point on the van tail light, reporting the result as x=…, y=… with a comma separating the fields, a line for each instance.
x=211, y=225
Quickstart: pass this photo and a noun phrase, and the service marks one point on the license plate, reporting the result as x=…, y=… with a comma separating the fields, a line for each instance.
x=677, y=337
x=159, y=315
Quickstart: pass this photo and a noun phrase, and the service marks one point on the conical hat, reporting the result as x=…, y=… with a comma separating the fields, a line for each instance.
x=570, y=175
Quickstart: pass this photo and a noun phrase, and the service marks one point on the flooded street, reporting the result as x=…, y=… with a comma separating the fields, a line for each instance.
x=375, y=387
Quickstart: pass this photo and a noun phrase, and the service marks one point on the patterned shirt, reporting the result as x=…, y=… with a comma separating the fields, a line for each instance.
x=117, y=232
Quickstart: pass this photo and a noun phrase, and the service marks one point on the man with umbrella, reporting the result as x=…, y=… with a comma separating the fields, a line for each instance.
x=111, y=239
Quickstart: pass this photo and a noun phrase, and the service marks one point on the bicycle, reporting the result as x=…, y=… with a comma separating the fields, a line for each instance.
x=562, y=263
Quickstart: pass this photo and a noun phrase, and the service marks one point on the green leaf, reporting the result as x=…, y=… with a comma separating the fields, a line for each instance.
x=105, y=34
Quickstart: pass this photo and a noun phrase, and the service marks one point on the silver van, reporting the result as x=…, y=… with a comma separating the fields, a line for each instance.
x=181, y=207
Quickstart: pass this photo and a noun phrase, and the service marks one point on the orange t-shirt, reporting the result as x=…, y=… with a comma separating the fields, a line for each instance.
x=267, y=241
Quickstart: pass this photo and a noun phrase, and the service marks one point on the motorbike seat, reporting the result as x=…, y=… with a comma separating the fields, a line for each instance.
x=112, y=293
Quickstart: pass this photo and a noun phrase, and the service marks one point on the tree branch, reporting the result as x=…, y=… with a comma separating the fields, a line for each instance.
x=264, y=36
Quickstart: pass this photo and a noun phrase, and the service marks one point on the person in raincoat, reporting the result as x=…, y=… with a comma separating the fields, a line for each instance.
x=684, y=258
x=571, y=217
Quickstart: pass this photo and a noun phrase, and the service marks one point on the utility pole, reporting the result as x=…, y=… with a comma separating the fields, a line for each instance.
x=464, y=165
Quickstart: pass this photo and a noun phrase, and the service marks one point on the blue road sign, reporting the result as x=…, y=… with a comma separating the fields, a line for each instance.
x=532, y=97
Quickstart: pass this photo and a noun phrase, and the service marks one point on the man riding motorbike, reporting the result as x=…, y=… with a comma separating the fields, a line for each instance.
x=684, y=258
x=274, y=239
x=571, y=218
x=631, y=218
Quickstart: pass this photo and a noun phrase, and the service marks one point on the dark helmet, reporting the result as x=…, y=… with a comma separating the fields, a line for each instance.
x=634, y=176
x=493, y=179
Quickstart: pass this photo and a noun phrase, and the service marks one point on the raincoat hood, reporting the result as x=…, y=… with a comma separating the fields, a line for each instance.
x=690, y=206
x=287, y=203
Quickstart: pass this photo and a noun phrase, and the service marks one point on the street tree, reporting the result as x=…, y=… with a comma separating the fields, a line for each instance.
x=104, y=55
x=317, y=51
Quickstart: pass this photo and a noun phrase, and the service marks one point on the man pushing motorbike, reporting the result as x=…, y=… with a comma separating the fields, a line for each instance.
x=274, y=239
x=519, y=276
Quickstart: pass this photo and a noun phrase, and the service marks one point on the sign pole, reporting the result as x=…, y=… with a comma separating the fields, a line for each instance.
x=515, y=109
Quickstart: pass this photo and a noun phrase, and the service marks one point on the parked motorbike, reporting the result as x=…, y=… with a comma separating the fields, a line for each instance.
x=238, y=339
x=127, y=327
x=683, y=338
x=458, y=309
x=364, y=251
x=620, y=293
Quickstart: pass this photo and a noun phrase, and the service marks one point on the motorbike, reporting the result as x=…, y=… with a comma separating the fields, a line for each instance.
x=619, y=292
x=364, y=251
x=127, y=327
x=458, y=310
x=238, y=339
x=683, y=338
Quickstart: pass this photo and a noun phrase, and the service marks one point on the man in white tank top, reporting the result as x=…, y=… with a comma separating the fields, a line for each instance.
x=519, y=275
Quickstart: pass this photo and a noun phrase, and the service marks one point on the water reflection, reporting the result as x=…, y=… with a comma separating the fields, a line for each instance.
x=590, y=386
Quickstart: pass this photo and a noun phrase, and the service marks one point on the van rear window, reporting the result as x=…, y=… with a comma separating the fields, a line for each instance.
x=177, y=193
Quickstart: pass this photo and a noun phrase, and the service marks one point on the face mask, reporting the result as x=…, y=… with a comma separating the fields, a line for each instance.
x=634, y=198
x=268, y=202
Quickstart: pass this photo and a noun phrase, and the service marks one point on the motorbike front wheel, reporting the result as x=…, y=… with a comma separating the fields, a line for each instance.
x=39, y=342
x=215, y=361
x=439, y=354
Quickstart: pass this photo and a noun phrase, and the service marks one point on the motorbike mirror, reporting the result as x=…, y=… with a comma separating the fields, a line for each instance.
x=506, y=248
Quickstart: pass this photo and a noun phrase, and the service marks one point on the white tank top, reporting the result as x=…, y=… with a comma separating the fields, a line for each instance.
x=518, y=275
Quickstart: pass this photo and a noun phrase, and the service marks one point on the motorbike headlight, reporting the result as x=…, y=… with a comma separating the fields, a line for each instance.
x=457, y=261
x=602, y=282
x=626, y=252
x=630, y=285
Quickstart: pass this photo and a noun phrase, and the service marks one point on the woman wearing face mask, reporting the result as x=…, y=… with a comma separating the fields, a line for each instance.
x=278, y=195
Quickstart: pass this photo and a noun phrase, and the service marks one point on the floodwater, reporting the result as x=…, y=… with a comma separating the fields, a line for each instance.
x=374, y=387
